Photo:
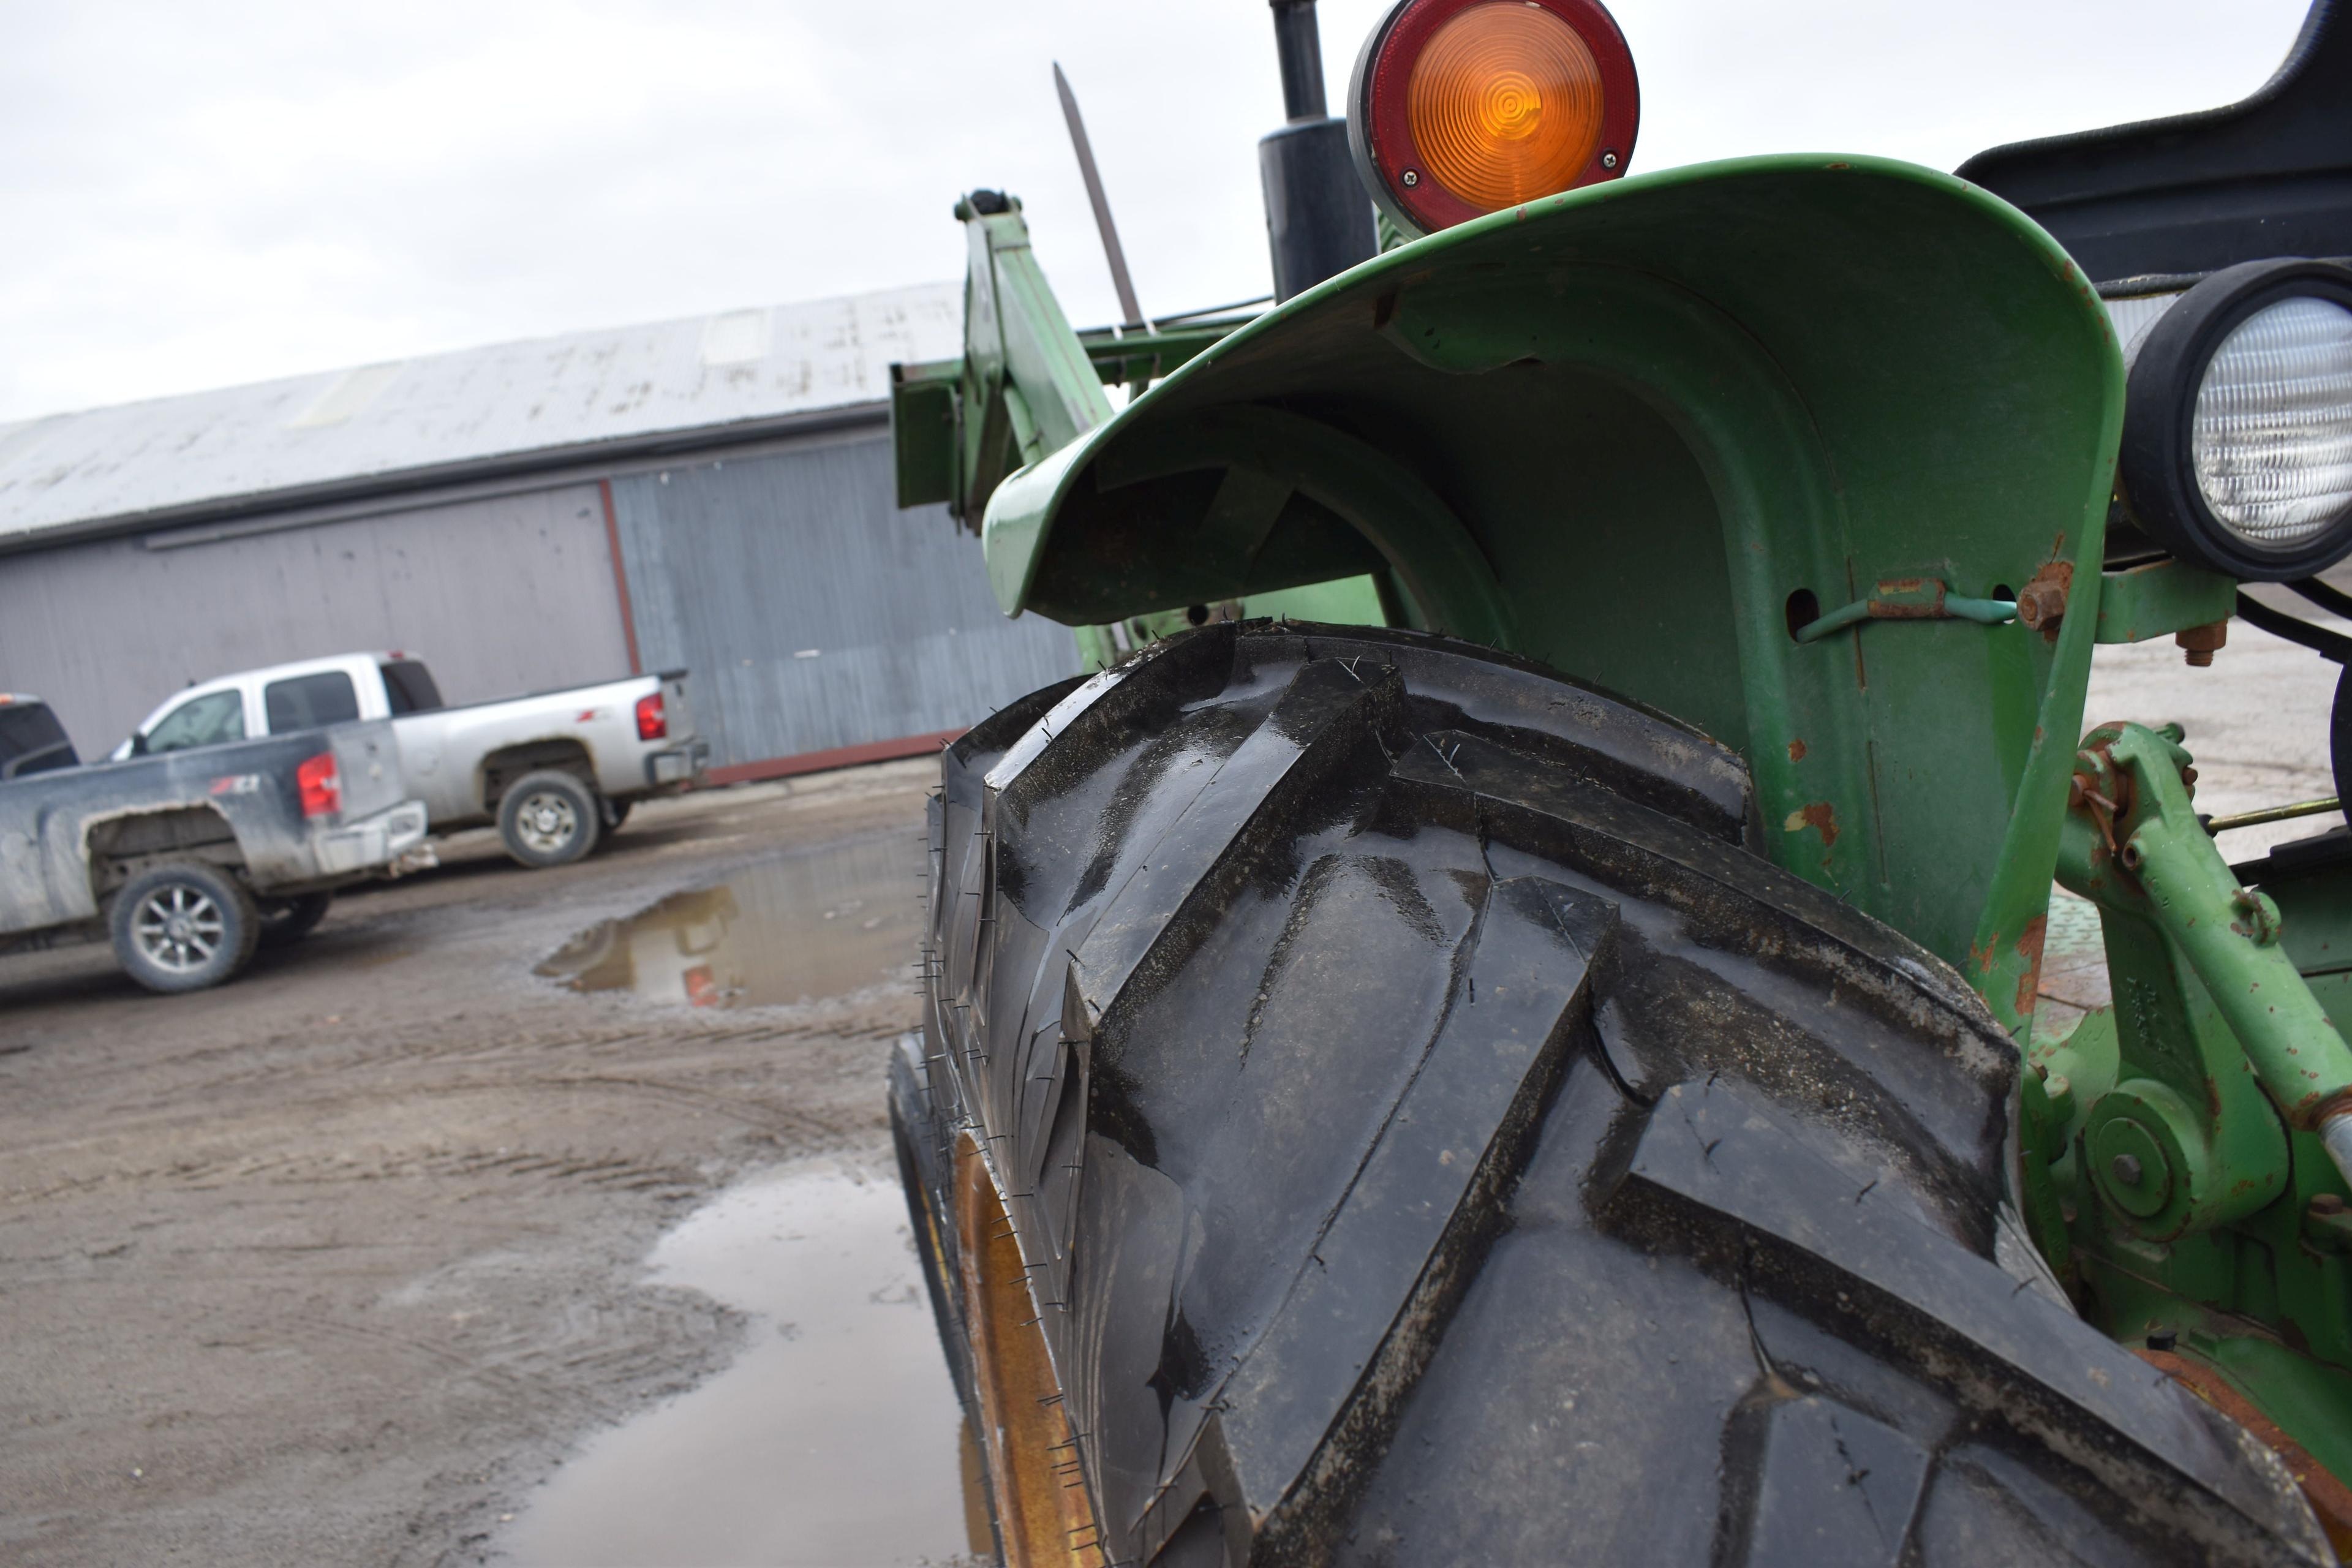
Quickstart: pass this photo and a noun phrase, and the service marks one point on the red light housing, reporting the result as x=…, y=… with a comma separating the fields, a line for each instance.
x=652, y=719
x=1460, y=108
x=322, y=785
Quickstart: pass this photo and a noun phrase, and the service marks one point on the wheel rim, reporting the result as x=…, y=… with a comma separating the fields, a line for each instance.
x=1045, y=1515
x=547, y=821
x=179, y=927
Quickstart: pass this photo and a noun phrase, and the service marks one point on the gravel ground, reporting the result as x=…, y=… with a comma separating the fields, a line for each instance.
x=329, y=1265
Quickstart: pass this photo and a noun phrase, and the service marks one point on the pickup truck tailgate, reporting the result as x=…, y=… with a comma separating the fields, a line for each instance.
x=367, y=759
x=676, y=708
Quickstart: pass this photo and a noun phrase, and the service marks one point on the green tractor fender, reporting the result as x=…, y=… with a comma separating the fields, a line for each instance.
x=1761, y=443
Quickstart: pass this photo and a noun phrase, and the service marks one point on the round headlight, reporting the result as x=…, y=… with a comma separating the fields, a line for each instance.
x=2236, y=448
x=2272, y=436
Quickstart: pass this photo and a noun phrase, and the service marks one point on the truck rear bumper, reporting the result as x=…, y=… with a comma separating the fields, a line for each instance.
x=686, y=764
x=357, y=846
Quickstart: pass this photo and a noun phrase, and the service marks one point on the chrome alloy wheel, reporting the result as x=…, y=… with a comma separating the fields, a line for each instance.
x=546, y=823
x=178, y=927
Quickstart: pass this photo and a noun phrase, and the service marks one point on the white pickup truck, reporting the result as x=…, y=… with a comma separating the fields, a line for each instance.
x=557, y=771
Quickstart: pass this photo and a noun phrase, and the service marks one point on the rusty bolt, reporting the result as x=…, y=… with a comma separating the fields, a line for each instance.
x=2327, y=1204
x=2201, y=641
x=2126, y=1170
x=2040, y=602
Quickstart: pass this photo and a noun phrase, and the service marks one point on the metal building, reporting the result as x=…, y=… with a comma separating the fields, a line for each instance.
x=715, y=493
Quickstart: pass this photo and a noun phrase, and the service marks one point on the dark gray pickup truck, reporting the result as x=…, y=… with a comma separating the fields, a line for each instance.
x=189, y=860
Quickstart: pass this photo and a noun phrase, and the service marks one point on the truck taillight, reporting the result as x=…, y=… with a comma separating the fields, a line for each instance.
x=652, y=719
x=323, y=786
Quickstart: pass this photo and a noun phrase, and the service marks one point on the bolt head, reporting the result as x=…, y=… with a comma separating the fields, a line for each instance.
x=2041, y=605
x=2126, y=1170
x=2162, y=1338
x=1609, y=159
x=1411, y=177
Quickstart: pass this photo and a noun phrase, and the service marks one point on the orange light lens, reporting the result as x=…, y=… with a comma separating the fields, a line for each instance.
x=1505, y=104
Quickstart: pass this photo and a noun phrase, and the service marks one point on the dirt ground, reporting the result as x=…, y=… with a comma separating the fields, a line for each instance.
x=334, y=1264
x=329, y=1265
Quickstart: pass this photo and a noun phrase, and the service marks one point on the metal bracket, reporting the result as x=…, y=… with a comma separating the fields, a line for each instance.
x=1909, y=599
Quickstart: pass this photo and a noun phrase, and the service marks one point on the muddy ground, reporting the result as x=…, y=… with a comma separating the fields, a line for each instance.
x=331, y=1264
x=337, y=1263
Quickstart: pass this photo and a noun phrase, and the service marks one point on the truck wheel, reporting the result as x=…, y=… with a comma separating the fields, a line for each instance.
x=616, y=812
x=285, y=921
x=183, y=927
x=1377, y=1105
x=549, y=818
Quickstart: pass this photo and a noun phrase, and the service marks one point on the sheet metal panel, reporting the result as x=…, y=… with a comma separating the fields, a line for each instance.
x=545, y=395
x=500, y=596
x=813, y=612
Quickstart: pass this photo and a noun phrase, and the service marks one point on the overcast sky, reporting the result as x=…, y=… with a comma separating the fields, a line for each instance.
x=196, y=193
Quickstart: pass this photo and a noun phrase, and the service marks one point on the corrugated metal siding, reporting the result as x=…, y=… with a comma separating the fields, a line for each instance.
x=503, y=596
x=813, y=612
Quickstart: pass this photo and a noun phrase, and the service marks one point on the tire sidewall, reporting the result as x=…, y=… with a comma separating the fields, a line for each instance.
x=285, y=921
x=587, y=816
x=241, y=926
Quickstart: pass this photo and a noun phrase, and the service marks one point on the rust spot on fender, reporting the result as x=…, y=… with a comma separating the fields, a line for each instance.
x=2029, y=947
x=2330, y=1499
x=1797, y=751
x=1819, y=817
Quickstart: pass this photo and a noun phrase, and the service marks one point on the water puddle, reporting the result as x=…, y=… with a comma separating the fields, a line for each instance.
x=834, y=1440
x=834, y=921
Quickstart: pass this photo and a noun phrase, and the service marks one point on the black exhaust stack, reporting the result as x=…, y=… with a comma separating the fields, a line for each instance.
x=1318, y=218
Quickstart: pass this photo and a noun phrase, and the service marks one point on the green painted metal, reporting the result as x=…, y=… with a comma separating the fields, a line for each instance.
x=2205, y=1075
x=1619, y=431
x=1026, y=385
x=1137, y=358
x=1643, y=433
x=1350, y=601
x=2151, y=857
x=2160, y=598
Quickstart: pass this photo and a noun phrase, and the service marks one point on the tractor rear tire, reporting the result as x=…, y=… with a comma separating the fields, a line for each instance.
x=1377, y=1105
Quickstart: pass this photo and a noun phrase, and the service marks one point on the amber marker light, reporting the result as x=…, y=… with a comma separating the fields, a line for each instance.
x=1466, y=107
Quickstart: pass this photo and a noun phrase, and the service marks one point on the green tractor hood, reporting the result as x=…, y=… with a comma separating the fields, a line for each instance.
x=1648, y=432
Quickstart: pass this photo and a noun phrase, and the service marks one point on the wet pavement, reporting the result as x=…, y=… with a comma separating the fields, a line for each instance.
x=826, y=922
x=833, y=1439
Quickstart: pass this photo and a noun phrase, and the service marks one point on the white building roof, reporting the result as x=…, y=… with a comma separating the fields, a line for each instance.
x=170, y=458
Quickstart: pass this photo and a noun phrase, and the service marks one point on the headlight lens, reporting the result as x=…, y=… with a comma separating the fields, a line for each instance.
x=2237, y=440
x=2272, y=435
